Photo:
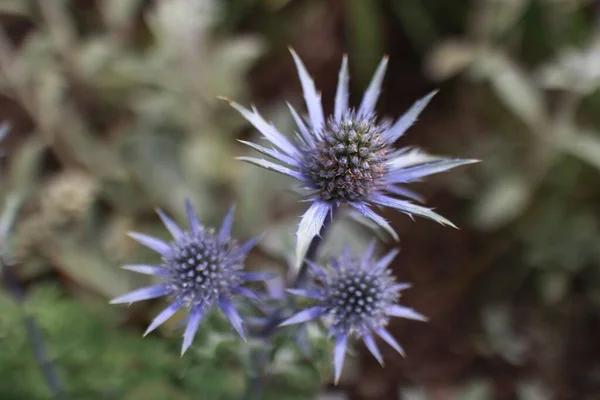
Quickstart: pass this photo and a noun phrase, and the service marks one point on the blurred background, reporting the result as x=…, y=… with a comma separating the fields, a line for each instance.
x=114, y=111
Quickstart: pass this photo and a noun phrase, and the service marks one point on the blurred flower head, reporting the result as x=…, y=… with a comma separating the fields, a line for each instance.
x=200, y=268
x=68, y=196
x=357, y=296
x=347, y=158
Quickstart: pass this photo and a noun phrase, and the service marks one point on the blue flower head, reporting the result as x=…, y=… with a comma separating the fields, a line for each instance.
x=357, y=296
x=200, y=268
x=347, y=158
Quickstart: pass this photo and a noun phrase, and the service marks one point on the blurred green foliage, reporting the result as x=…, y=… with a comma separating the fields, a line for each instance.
x=95, y=360
x=115, y=111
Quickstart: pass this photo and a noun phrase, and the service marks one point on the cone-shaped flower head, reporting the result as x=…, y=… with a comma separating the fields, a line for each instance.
x=357, y=297
x=200, y=269
x=347, y=158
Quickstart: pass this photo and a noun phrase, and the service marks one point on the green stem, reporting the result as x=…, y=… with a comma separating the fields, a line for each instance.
x=261, y=358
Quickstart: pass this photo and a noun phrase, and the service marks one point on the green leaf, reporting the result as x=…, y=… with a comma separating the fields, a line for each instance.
x=22, y=8
x=502, y=202
x=87, y=267
x=585, y=146
x=450, y=58
x=515, y=88
x=365, y=25
x=25, y=165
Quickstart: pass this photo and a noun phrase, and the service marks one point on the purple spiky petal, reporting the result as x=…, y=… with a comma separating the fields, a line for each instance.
x=339, y=353
x=163, y=316
x=200, y=271
x=303, y=316
x=153, y=243
x=232, y=315
x=145, y=293
x=255, y=276
x=309, y=294
x=372, y=347
x=347, y=158
x=191, y=328
x=405, y=312
x=147, y=269
x=193, y=221
x=173, y=228
x=356, y=297
x=389, y=339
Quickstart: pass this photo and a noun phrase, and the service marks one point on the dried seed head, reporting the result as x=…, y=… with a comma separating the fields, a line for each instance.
x=68, y=197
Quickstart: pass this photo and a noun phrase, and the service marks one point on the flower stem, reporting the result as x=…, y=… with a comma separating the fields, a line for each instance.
x=277, y=316
x=34, y=333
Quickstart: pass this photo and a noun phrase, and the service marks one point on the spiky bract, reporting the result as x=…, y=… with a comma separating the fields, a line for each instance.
x=357, y=296
x=349, y=157
x=200, y=268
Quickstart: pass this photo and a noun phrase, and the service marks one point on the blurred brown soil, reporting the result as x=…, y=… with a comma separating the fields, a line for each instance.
x=447, y=267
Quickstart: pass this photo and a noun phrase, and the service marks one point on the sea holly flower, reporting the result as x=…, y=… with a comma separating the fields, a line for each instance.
x=347, y=158
x=357, y=296
x=200, y=269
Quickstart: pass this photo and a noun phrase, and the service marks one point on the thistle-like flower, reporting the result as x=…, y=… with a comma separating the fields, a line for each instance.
x=200, y=268
x=347, y=158
x=357, y=297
